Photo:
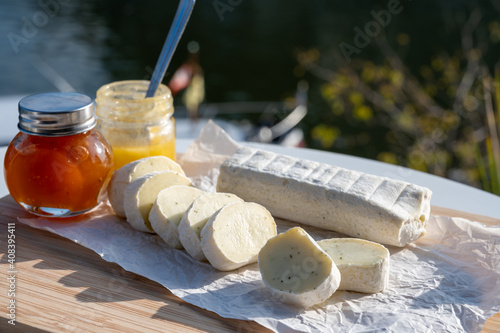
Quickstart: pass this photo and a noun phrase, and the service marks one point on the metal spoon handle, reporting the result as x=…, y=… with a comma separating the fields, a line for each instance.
x=174, y=35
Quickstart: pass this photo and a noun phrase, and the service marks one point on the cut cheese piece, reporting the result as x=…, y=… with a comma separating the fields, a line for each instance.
x=141, y=194
x=168, y=209
x=233, y=236
x=197, y=216
x=297, y=270
x=360, y=205
x=363, y=265
x=125, y=175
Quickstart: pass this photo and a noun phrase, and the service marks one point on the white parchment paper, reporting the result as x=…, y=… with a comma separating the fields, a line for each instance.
x=449, y=280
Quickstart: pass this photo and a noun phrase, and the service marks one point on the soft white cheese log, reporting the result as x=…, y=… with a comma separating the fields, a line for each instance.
x=142, y=192
x=363, y=265
x=360, y=205
x=126, y=174
x=297, y=270
x=168, y=209
x=197, y=216
x=235, y=234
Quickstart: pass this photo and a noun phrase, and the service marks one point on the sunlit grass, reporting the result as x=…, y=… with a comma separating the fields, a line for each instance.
x=488, y=163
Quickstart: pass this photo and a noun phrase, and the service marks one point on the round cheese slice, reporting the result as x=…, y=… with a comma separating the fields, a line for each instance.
x=126, y=174
x=168, y=209
x=297, y=270
x=363, y=265
x=197, y=216
x=142, y=192
x=233, y=236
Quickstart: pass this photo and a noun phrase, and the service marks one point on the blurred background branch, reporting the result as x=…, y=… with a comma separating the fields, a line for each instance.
x=439, y=117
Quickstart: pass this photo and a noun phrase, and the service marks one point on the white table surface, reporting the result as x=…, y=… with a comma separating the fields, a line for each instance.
x=446, y=193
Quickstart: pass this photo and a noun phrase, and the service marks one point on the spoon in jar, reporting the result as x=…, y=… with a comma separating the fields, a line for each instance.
x=174, y=35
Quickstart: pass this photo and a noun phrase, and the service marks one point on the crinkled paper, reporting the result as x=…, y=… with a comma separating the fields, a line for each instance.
x=449, y=280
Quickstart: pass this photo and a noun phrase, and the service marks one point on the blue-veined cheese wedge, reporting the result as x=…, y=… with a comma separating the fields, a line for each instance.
x=235, y=234
x=375, y=208
x=363, y=265
x=297, y=270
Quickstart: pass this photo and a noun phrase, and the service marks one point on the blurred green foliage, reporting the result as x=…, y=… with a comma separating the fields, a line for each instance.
x=438, y=117
x=487, y=152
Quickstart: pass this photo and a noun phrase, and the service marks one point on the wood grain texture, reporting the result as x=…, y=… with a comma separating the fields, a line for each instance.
x=64, y=287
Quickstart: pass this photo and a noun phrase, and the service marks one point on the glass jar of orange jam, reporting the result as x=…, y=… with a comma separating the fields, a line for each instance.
x=136, y=126
x=59, y=164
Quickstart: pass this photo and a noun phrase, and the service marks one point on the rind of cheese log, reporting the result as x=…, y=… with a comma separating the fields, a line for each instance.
x=126, y=174
x=363, y=265
x=142, y=192
x=297, y=270
x=197, y=216
x=375, y=208
x=235, y=234
x=168, y=209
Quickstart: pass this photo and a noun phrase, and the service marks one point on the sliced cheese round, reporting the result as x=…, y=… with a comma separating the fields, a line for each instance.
x=142, y=192
x=126, y=174
x=197, y=216
x=168, y=209
x=363, y=265
x=297, y=270
x=233, y=236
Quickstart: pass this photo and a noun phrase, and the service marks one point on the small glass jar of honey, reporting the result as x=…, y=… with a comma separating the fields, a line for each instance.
x=59, y=163
x=136, y=126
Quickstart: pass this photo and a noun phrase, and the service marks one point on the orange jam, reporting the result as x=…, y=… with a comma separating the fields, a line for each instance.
x=60, y=175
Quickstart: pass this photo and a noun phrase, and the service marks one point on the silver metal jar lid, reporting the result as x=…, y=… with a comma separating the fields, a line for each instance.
x=56, y=114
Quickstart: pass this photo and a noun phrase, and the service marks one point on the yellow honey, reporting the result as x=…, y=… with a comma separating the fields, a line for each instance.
x=127, y=154
x=135, y=126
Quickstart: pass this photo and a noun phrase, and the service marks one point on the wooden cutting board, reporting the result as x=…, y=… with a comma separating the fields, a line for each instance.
x=64, y=287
